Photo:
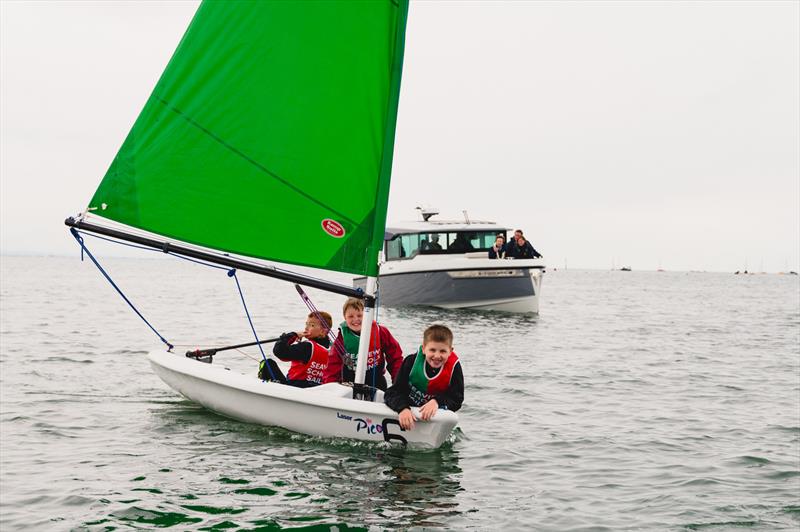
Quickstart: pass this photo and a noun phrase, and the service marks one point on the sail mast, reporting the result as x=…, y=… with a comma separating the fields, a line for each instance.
x=382, y=193
x=366, y=331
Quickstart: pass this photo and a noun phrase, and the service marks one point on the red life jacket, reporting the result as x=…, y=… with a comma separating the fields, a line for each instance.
x=312, y=370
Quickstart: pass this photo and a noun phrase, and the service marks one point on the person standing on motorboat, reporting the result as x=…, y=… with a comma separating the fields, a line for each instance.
x=520, y=248
x=498, y=250
x=343, y=356
x=307, y=351
x=511, y=246
x=525, y=250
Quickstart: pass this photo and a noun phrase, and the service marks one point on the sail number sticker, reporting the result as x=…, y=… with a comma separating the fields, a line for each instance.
x=333, y=228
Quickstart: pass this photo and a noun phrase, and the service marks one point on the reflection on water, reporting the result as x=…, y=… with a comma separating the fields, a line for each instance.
x=258, y=471
x=426, y=482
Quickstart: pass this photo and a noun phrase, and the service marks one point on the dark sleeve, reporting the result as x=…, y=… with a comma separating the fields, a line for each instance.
x=288, y=348
x=492, y=254
x=454, y=396
x=536, y=254
x=396, y=397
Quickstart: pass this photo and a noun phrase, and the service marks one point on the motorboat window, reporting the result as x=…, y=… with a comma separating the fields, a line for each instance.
x=409, y=245
x=404, y=246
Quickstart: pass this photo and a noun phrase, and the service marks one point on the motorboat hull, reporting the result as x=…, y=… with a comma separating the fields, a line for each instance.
x=493, y=285
x=326, y=411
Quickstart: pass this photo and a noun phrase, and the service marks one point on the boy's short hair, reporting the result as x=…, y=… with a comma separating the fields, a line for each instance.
x=354, y=303
x=438, y=333
x=325, y=316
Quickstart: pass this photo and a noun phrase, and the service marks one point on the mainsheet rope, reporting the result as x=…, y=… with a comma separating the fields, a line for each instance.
x=340, y=352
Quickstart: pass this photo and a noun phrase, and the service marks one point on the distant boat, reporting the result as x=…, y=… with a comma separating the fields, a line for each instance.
x=625, y=269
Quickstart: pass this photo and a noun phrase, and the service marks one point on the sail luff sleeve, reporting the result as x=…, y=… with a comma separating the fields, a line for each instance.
x=384, y=181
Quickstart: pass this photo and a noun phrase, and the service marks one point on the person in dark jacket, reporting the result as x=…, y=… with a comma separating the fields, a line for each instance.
x=429, y=379
x=520, y=248
x=525, y=250
x=511, y=245
x=307, y=351
x=498, y=250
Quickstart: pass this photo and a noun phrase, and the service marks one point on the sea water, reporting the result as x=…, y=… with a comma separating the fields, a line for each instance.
x=634, y=401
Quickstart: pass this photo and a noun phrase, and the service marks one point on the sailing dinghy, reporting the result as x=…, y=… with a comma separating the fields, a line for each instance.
x=272, y=121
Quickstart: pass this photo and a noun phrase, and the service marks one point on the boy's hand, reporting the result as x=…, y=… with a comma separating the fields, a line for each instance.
x=428, y=410
x=407, y=419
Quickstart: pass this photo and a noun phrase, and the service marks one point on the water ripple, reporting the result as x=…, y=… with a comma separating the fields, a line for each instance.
x=637, y=402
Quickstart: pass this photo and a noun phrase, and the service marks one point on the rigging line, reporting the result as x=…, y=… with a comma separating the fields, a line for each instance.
x=226, y=260
x=252, y=161
x=248, y=355
x=341, y=352
x=146, y=234
x=79, y=239
x=312, y=308
x=202, y=263
x=176, y=255
x=111, y=224
x=232, y=273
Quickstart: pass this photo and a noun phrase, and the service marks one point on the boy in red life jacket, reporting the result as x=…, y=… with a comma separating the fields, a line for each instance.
x=307, y=351
x=430, y=379
x=383, y=350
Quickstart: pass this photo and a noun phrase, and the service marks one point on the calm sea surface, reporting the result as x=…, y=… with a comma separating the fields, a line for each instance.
x=635, y=401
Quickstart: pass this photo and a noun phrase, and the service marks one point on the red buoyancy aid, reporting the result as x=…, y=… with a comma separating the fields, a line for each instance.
x=312, y=370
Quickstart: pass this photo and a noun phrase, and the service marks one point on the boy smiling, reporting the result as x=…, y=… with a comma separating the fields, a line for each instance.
x=383, y=349
x=430, y=379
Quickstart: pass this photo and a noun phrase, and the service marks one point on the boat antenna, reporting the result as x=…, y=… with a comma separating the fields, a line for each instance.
x=466, y=217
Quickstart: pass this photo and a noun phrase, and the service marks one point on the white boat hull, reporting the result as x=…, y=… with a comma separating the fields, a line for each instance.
x=326, y=411
x=468, y=282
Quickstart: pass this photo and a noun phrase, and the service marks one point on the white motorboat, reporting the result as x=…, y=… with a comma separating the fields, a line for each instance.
x=445, y=263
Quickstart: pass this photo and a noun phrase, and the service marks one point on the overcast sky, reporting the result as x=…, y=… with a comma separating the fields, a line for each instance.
x=643, y=134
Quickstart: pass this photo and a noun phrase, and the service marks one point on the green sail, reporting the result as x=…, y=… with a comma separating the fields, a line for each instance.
x=270, y=134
